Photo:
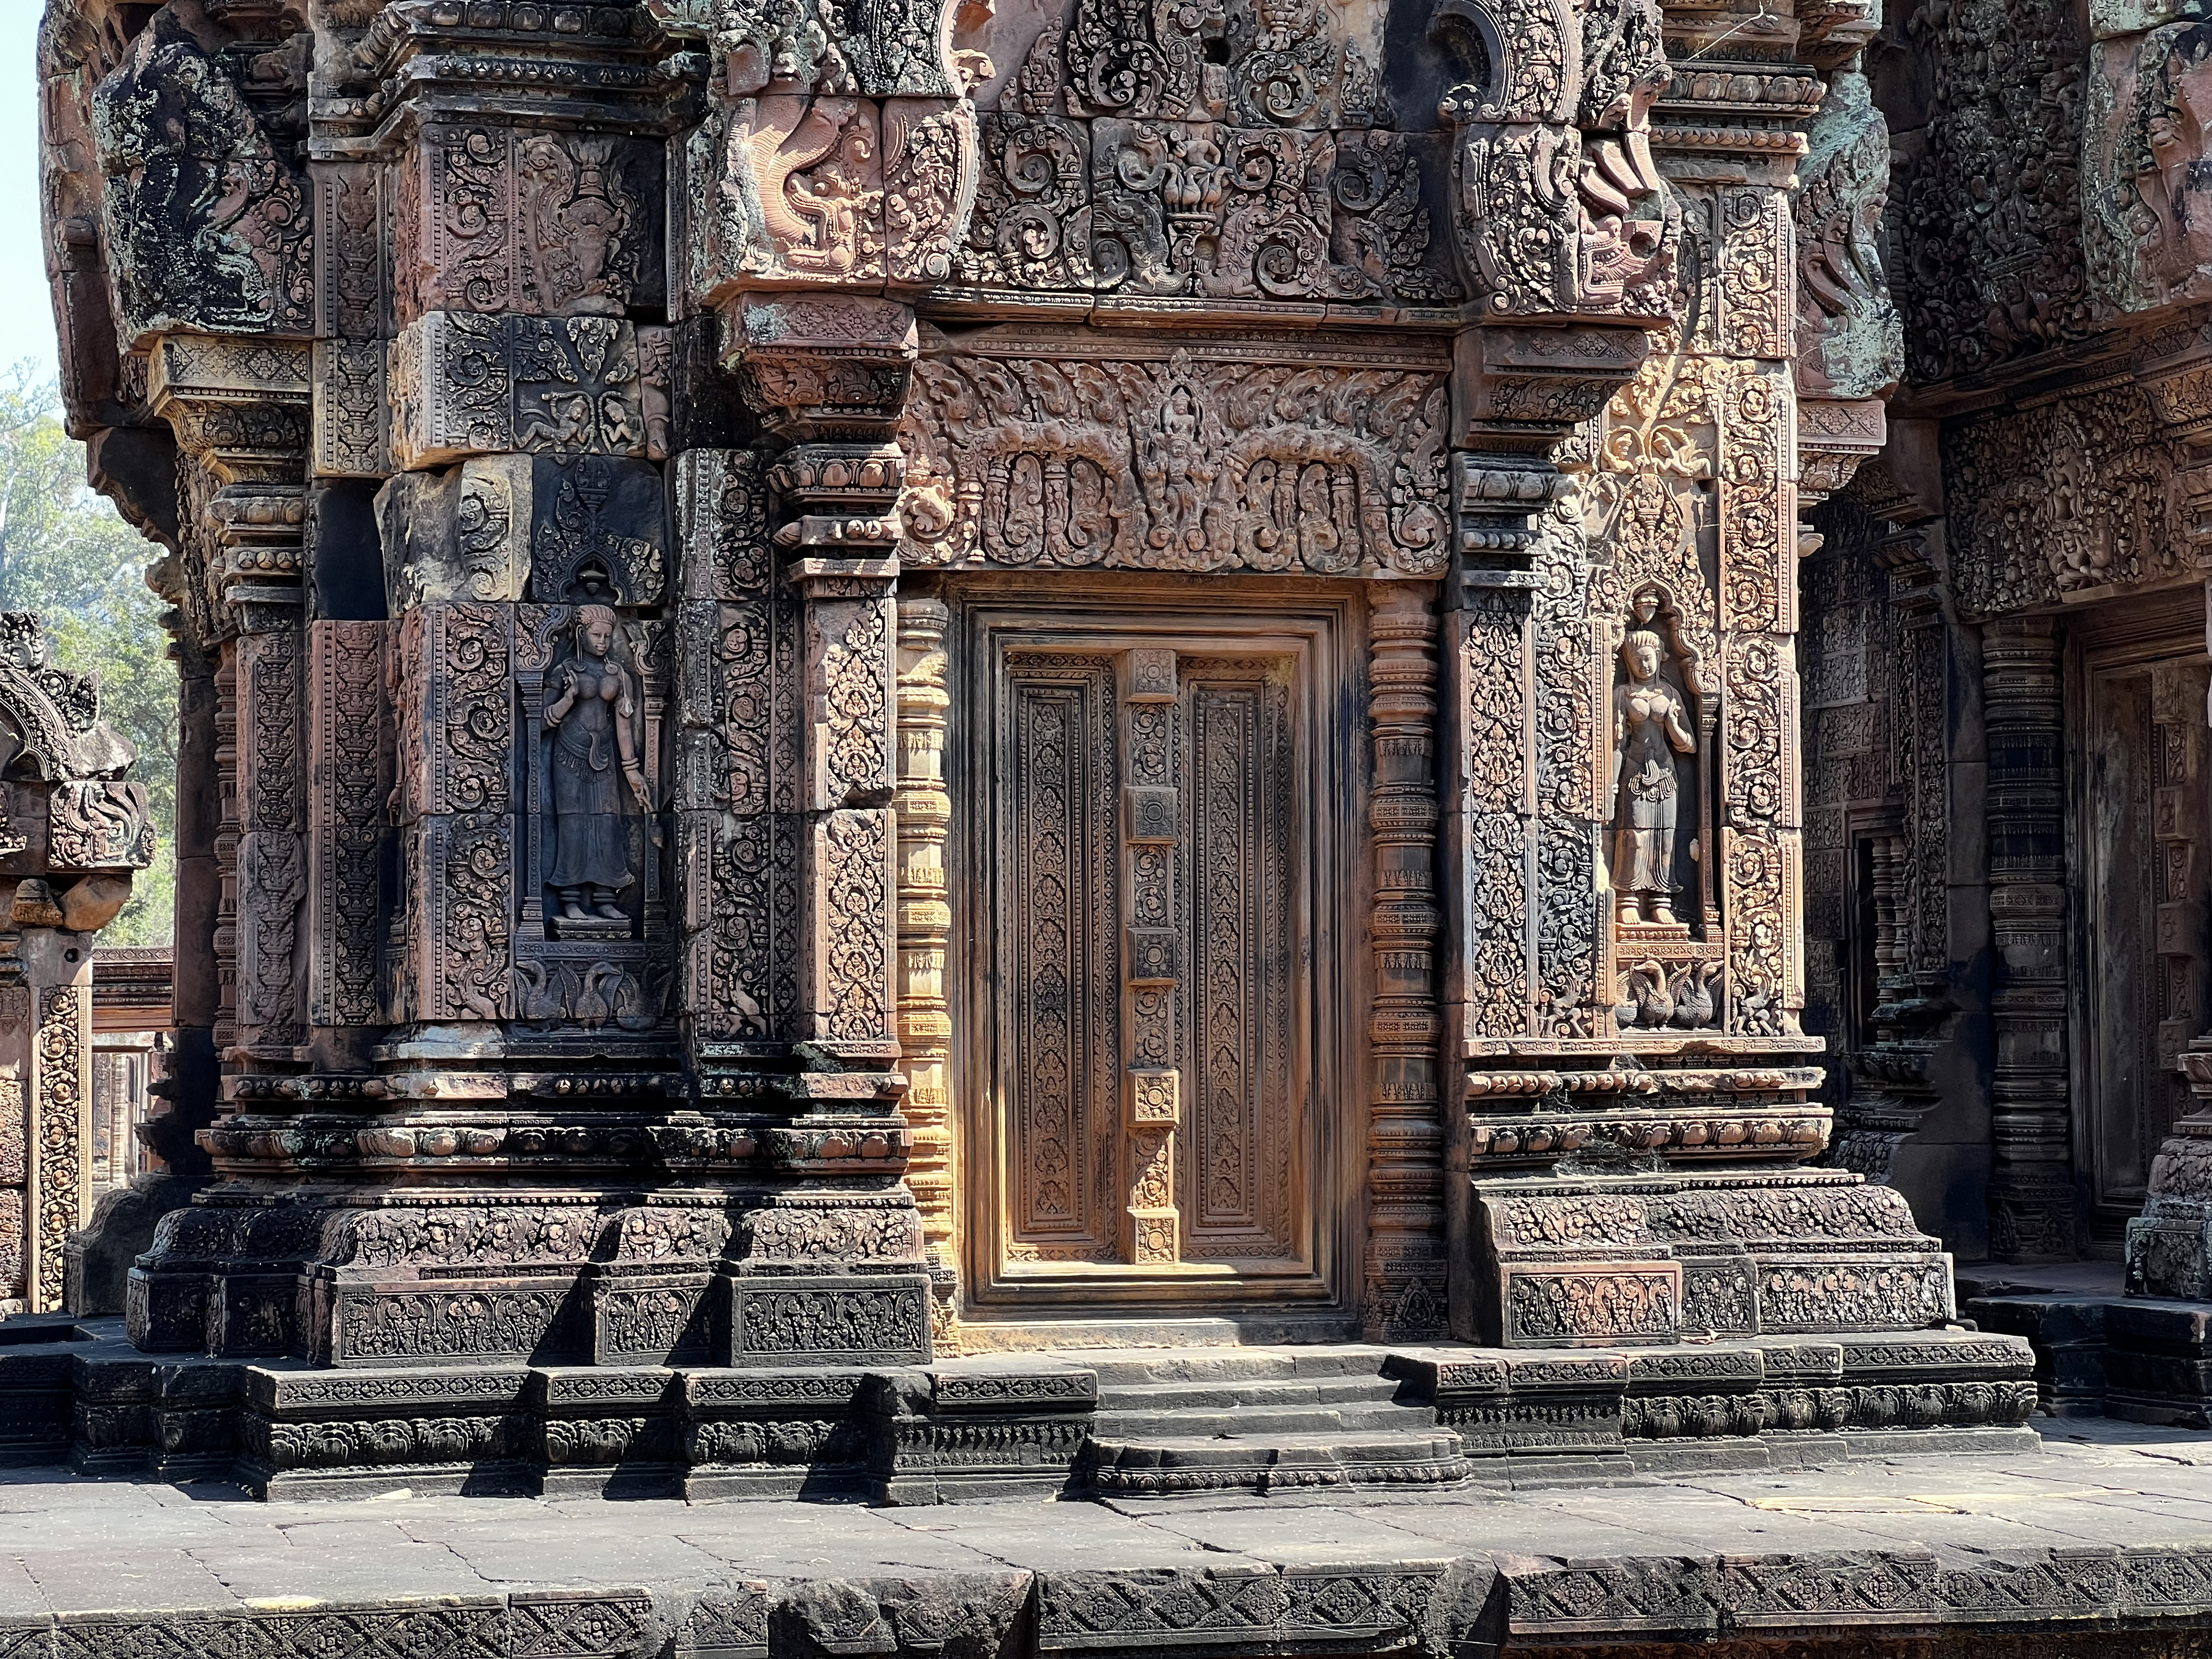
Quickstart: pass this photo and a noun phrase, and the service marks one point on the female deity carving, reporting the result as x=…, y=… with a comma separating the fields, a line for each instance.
x=1650, y=728
x=593, y=721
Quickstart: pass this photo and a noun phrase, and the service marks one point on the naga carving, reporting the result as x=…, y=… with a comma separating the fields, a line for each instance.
x=1558, y=205
x=1850, y=338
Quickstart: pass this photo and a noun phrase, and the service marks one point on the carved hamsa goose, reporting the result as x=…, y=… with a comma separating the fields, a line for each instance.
x=1648, y=1001
x=1695, y=999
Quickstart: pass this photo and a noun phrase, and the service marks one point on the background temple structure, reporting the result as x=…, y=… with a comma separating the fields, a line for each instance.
x=892, y=713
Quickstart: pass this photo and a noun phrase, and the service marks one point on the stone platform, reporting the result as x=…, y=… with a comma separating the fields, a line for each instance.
x=2100, y=1543
x=1155, y=1424
x=2100, y=1352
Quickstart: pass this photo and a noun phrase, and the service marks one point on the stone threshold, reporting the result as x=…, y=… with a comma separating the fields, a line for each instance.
x=2100, y=1545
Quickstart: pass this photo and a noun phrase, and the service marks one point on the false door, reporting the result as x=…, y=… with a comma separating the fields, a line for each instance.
x=1148, y=865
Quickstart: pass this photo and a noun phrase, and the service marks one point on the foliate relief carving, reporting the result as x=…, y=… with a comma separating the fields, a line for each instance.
x=852, y=644
x=1293, y=62
x=1752, y=265
x=207, y=227
x=61, y=1095
x=1175, y=465
x=1381, y=226
x=1557, y=205
x=2069, y=495
x=1624, y=1304
x=853, y=926
x=464, y=1321
x=877, y=48
x=54, y=713
x=1850, y=338
x=740, y=878
x=1977, y=288
x=502, y=219
x=1031, y=226
x=1758, y=501
x=455, y=699
x=457, y=919
x=1057, y=914
x=351, y=303
x=722, y=524
x=98, y=826
x=929, y=187
x=1283, y=63
x=741, y=691
x=350, y=415
x=1567, y=724
x=739, y=783
x=1494, y=705
x=865, y=1321
x=271, y=852
x=598, y=531
x=1156, y=207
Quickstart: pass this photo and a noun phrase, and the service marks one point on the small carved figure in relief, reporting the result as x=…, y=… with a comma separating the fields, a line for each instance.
x=593, y=721
x=1651, y=727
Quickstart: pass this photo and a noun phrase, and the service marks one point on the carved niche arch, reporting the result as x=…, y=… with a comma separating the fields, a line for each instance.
x=49, y=721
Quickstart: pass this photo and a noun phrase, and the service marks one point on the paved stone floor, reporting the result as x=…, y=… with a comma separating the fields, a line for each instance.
x=2109, y=1529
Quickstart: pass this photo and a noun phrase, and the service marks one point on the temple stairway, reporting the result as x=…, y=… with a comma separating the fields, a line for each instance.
x=1177, y=1421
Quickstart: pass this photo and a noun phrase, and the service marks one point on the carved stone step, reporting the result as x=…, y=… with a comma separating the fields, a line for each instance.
x=1245, y=1421
x=1115, y=1367
x=1226, y=1397
x=1168, y=1467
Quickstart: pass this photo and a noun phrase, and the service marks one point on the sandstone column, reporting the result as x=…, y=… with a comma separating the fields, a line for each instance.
x=2031, y=1202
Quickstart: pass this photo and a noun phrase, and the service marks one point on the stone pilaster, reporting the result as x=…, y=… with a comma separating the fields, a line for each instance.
x=829, y=375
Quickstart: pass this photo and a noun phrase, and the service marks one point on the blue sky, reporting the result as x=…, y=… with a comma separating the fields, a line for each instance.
x=27, y=316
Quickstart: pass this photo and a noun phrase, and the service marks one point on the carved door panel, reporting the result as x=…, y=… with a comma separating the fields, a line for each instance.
x=2145, y=869
x=1147, y=871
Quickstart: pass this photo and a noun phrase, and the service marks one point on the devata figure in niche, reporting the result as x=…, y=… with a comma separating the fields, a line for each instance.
x=1650, y=725
x=593, y=721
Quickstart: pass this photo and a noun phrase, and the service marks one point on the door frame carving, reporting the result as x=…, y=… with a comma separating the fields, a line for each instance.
x=1326, y=622
x=2138, y=632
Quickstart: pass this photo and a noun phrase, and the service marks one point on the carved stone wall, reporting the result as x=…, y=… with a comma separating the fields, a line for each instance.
x=882, y=684
x=2038, y=496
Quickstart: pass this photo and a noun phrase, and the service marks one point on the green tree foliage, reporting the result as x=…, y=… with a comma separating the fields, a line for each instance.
x=67, y=553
